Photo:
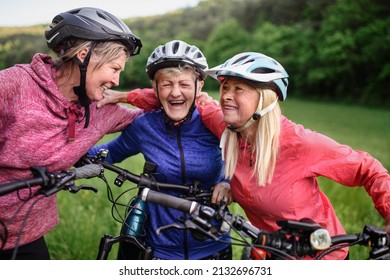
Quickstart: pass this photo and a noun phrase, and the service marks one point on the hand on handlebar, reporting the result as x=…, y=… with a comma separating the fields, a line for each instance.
x=222, y=192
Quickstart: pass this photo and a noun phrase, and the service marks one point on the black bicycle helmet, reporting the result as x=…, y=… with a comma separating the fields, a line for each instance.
x=174, y=53
x=90, y=24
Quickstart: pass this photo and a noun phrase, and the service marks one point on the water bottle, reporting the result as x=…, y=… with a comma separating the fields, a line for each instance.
x=134, y=230
x=134, y=223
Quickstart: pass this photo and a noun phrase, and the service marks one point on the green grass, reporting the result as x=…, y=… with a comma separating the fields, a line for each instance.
x=85, y=217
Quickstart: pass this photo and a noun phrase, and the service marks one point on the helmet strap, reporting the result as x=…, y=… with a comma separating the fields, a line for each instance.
x=80, y=90
x=256, y=116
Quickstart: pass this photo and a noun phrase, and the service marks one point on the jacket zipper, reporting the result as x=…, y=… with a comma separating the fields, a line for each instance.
x=183, y=177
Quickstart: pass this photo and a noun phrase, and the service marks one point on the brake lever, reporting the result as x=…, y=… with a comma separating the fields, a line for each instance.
x=74, y=189
x=171, y=226
x=197, y=232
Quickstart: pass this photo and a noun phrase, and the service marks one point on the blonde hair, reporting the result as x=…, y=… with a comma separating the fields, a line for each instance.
x=180, y=69
x=104, y=51
x=266, y=143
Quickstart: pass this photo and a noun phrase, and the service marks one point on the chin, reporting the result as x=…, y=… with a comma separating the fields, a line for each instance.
x=176, y=117
x=96, y=98
x=228, y=121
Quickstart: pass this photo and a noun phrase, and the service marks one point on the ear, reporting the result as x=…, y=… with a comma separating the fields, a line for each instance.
x=199, y=87
x=82, y=54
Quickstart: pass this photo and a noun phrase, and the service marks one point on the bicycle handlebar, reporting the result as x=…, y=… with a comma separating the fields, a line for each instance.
x=146, y=179
x=295, y=238
x=170, y=201
x=52, y=182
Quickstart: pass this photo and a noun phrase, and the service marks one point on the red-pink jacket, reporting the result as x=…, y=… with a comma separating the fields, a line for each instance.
x=294, y=192
x=34, y=131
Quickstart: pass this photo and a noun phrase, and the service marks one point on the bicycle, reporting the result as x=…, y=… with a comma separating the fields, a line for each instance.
x=294, y=240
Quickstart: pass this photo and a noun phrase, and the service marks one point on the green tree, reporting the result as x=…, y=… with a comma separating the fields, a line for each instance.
x=226, y=40
x=353, y=53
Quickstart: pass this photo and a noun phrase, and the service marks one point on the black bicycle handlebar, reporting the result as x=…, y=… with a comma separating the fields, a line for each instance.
x=170, y=201
x=146, y=179
x=52, y=182
x=296, y=238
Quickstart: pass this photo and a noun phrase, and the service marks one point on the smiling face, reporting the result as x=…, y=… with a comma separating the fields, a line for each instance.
x=239, y=101
x=176, y=91
x=104, y=76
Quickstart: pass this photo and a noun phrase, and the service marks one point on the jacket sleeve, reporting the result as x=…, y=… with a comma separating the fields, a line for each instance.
x=212, y=117
x=143, y=98
x=113, y=117
x=120, y=148
x=349, y=167
x=8, y=95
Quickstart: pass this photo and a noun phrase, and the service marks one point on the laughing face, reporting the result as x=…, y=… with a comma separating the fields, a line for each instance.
x=239, y=101
x=104, y=77
x=176, y=92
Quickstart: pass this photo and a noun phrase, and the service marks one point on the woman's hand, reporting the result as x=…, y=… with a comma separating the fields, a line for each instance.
x=112, y=96
x=222, y=191
x=203, y=98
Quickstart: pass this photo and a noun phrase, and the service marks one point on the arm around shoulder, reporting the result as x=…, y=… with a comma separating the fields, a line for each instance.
x=141, y=98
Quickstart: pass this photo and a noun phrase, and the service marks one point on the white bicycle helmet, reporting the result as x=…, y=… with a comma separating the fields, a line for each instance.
x=255, y=67
x=174, y=53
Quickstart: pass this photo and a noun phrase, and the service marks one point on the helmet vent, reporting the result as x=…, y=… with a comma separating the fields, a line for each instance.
x=175, y=47
x=262, y=70
x=101, y=15
x=240, y=59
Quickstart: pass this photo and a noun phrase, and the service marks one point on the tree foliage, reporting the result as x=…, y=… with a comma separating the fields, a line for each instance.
x=332, y=49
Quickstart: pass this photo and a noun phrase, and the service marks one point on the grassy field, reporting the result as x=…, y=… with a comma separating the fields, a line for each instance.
x=85, y=217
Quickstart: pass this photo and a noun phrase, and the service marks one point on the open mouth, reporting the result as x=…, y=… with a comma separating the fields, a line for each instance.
x=176, y=103
x=229, y=107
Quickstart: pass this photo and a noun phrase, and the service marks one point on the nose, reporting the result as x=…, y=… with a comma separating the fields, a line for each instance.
x=227, y=95
x=176, y=90
x=115, y=80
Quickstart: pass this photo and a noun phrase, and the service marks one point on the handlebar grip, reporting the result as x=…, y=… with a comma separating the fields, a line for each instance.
x=88, y=171
x=169, y=201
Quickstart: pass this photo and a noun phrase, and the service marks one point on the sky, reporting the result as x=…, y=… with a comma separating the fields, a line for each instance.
x=32, y=12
